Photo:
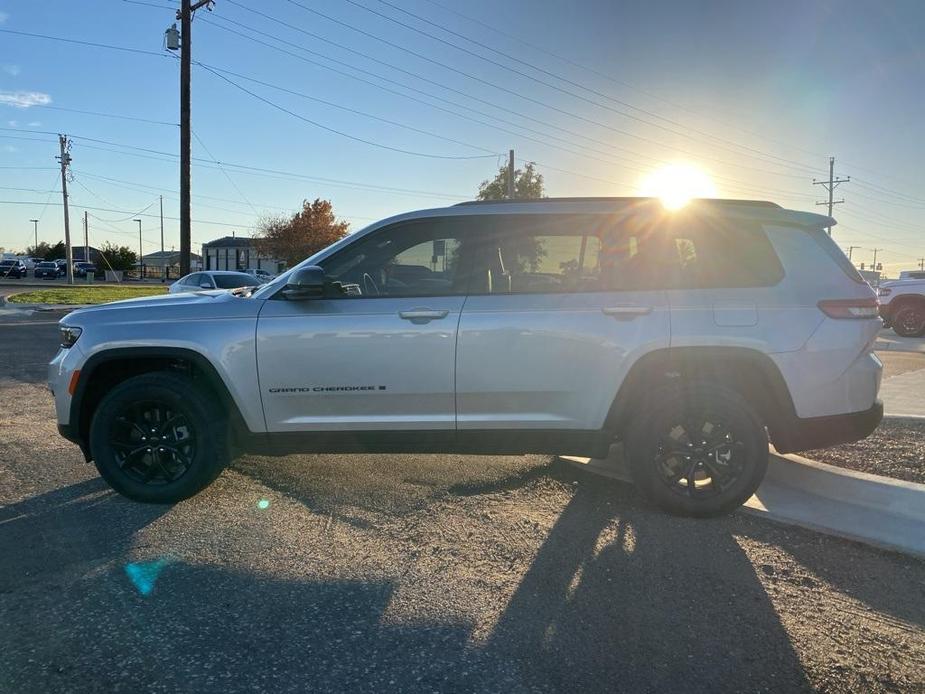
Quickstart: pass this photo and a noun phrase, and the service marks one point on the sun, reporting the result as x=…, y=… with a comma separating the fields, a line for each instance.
x=677, y=184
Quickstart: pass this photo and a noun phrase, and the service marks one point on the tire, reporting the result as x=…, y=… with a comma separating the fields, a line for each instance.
x=183, y=451
x=909, y=320
x=662, y=454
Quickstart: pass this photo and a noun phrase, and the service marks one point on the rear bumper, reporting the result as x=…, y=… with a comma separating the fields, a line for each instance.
x=803, y=434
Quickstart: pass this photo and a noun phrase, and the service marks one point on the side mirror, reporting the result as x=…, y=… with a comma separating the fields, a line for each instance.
x=305, y=283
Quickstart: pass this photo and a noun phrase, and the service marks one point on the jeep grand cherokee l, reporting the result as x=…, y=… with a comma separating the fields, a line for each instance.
x=557, y=326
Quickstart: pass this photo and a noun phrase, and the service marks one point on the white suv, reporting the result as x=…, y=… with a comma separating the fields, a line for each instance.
x=556, y=326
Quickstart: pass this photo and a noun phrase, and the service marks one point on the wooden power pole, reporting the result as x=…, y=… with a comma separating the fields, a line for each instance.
x=65, y=160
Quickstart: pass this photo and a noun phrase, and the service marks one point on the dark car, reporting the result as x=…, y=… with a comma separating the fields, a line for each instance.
x=13, y=269
x=48, y=270
x=82, y=269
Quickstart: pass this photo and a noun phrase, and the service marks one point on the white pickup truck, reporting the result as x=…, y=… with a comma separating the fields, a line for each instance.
x=902, y=306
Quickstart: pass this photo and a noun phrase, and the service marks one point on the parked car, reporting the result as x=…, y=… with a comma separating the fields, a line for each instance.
x=912, y=275
x=902, y=306
x=82, y=269
x=13, y=269
x=28, y=262
x=263, y=275
x=212, y=279
x=49, y=270
x=547, y=326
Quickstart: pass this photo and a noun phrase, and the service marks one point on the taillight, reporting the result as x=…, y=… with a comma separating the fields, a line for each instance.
x=850, y=308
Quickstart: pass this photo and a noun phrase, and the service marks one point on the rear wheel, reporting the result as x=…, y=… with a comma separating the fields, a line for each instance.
x=697, y=450
x=157, y=438
x=909, y=320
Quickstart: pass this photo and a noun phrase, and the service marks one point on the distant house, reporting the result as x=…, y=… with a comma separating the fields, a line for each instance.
x=155, y=263
x=79, y=254
x=236, y=253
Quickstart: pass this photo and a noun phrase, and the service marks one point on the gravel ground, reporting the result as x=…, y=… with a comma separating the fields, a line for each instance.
x=418, y=573
x=895, y=449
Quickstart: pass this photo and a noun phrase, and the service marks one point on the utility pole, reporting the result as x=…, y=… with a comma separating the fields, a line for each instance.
x=185, y=15
x=874, y=265
x=35, y=224
x=830, y=186
x=162, y=224
x=65, y=159
x=140, y=251
x=86, y=238
x=921, y=263
x=851, y=250
x=510, y=174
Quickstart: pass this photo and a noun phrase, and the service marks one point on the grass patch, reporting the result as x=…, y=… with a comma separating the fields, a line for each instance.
x=83, y=295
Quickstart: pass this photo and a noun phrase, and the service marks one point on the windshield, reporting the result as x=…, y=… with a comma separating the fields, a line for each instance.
x=238, y=279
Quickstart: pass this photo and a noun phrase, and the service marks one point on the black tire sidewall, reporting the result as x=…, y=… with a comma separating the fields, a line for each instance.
x=898, y=322
x=212, y=450
x=641, y=441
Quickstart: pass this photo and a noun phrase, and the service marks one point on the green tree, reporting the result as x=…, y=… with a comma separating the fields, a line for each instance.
x=117, y=257
x=528, y=184
x=39, y=251
x=294, y=238
x=522, y=253
x=56, y=251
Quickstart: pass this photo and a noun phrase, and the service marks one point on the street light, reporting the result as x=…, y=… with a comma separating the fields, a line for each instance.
x=140, y=251
x=35, y=223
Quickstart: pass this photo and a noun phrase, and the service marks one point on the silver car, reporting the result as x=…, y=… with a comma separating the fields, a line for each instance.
x=213, y=279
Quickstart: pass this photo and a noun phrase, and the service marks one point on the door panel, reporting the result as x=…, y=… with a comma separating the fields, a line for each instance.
x=550, y=361
x=340, y=364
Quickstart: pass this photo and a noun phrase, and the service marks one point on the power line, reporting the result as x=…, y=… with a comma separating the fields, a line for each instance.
x=559, y=77
x=340, y=132
x=91, y=44
x=512, y=92
x=225, y=173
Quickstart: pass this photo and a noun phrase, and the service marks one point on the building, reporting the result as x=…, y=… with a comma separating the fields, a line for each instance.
x=236, y=253
x=167, y=263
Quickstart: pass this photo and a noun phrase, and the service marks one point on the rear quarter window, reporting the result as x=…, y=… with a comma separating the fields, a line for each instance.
x=722, y=253
x=822, y=238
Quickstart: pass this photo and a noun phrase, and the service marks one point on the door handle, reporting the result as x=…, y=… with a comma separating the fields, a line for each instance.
x=423, y=315
x=627, y=312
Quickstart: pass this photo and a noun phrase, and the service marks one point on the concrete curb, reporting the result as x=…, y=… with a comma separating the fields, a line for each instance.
x=872, y=509
x=883, y=346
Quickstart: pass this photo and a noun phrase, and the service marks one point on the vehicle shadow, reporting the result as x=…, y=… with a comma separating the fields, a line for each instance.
x=621, y=597
x=50, y=537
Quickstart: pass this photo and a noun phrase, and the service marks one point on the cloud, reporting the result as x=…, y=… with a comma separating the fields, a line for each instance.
x=34, y=124
x=10, y=69
x=3, y=17
x=24, y=99
x=13, y=123
x=10, y=148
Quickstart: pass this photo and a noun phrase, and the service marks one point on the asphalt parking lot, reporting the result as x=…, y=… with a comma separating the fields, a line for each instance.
x=416, y=573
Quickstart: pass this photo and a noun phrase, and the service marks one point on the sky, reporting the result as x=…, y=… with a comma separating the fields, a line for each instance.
x=384, y=106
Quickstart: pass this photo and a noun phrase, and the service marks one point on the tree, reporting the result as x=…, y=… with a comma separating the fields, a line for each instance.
x=57, y=251
x=521, y=253
x=528, y=184
x=294, y=238
x=39, y=251
x=117, y=257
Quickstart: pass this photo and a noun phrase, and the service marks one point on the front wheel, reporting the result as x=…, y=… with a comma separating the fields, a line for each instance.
x=157, y=438
x=697, y=450
x=909, y=321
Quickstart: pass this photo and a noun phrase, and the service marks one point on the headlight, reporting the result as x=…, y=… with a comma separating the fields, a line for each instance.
x=884, y=291
x=69, y=335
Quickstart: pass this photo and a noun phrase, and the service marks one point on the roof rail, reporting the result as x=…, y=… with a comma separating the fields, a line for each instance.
x=720, y=201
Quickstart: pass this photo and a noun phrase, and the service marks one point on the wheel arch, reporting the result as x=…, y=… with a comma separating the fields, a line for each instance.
x=107, y=368
x=748, y=371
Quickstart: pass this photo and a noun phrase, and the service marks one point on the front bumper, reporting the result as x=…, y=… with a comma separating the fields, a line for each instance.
x=803, y=434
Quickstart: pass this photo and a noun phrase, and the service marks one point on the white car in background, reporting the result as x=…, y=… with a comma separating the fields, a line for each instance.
x=212, y=279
